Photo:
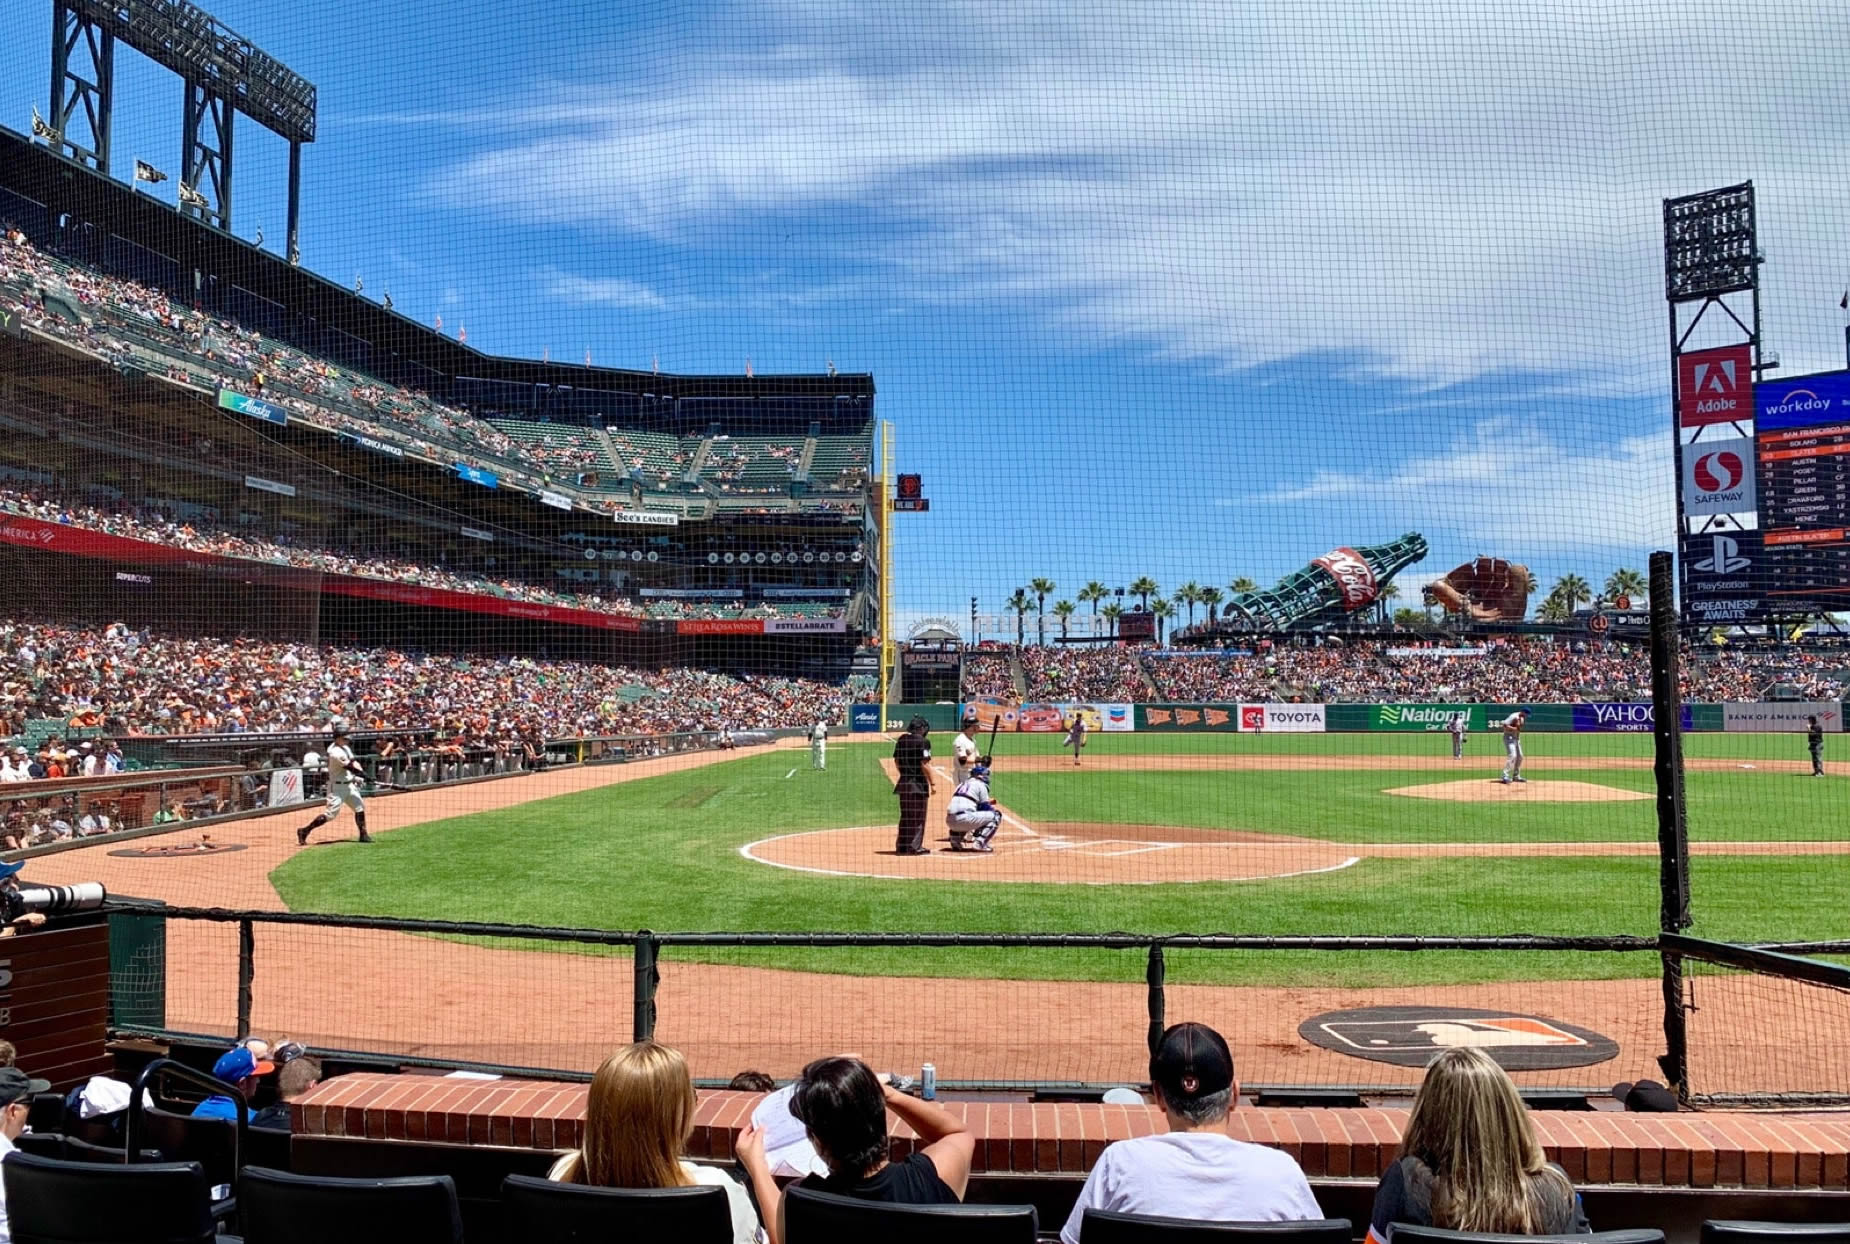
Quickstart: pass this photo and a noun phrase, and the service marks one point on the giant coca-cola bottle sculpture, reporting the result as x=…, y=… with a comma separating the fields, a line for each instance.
x=1332, y=587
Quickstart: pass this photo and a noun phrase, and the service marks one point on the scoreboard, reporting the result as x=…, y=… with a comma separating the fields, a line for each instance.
x=1802, y=439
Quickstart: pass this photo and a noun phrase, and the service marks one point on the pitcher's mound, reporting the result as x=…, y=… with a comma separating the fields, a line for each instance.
x=1490, y=790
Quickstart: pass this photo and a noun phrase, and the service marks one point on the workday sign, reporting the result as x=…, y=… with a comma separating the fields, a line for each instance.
x=1635, y=717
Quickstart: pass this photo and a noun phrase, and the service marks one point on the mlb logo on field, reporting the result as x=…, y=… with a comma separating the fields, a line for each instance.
x=1409, y=1036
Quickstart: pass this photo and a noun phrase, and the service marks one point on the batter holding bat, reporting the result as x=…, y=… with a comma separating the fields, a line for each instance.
x=344, y=778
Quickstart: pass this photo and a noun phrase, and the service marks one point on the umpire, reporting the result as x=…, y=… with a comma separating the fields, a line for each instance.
x=1814, y=743
x=912, y=757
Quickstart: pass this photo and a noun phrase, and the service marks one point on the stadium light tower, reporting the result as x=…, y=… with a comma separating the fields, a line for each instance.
x=224, y=73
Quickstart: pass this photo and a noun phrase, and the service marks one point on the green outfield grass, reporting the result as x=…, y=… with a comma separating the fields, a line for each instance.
x=662, y=853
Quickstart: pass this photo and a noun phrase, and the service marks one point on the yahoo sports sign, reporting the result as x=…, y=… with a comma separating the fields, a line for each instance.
x=1634, y=717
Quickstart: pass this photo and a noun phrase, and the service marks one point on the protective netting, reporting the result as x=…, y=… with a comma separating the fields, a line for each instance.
x=583, y=444
x=1760, y=1034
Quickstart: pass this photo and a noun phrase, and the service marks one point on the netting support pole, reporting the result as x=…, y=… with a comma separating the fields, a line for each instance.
x=1675, y=1059
x=648, y=975
x=247, y=973
x=1672, y=819
x=1153, y=980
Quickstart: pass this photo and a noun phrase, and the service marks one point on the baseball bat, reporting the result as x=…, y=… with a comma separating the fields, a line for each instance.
x=995, y=723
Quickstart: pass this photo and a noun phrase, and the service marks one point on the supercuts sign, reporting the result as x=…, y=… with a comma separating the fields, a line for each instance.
x=1715, y=386
x=1355, y=578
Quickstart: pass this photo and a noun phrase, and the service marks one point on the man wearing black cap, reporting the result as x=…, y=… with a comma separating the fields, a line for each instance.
x=344, y=779
x=912, y=758
x=16, y=1090
x=1196, y=1169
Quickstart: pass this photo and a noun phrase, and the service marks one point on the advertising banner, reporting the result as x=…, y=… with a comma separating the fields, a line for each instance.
x=1189, y=718
x=1438, y=654
x=1119, y=718
x=1783, y=717
x=805, y=626
x=864, y=718
x=373, y=445
x=476, y=533
x=646, y=518
x=255, y=407
x=1715, y=386
x=557, y=500
x=1637, y=717
x=1040, y=718
x=285, y=787
x=1718, y=477
x=719, y=626
x=1425, y=716
x=476, y=475
x=269, y=485
x=1355, y=578
x=1802, y=402
x=11, y=324
x=1724, y=581
x=1282, y=718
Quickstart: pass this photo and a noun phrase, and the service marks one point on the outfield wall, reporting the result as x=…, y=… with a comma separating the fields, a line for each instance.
x=1604, y=716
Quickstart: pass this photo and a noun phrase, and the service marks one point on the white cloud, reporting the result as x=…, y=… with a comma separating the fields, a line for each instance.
x=1437, y=190
x=1507, y=488
x=604, y=291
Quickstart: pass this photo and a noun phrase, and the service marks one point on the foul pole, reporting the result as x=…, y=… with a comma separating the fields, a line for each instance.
x=885, y=503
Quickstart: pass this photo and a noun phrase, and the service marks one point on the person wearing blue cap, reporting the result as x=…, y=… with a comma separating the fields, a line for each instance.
x=1512, y=745
x=973, y=812
x=240, y=1069
x=13, y=911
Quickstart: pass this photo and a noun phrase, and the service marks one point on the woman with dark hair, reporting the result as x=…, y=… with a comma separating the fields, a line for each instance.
x=843, y=1105
x=912, y=758
x=1470, y=1159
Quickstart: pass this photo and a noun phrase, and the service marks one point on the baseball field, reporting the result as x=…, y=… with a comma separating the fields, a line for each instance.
x=1276, y=835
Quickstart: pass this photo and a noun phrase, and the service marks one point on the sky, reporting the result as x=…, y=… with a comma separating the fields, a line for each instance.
x=1195, y=291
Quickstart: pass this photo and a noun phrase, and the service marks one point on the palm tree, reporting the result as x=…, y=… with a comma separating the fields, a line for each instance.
x=1210, y=599
x=1389, y=591
x=1163, y=611
x=1410, y=620
x=1145, y=587
x=1093, y=592
x=1041, y=588
x=1020, y=603
x=1554, y=609
x=1624, y=582
x=1111, y=613
x=1189, y=594
x=1242, y=584
x=1063, y=609
x=1572, y=589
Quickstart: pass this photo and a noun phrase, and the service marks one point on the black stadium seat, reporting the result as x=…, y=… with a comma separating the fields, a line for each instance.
x=1731, y=1231
x=1099, y=1226
x=823, y=1218
x=539, y=1209
x=1402, y=1234
x=277, y=1207
x=53, y=1202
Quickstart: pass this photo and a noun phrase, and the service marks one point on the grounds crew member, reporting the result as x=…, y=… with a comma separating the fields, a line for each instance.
x=1814, y=743
x=344, y=778
x=1512, y=745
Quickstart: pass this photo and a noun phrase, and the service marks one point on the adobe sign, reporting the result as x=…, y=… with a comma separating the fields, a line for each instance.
x=1715, y=386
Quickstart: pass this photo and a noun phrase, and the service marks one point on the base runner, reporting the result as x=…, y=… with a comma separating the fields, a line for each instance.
x=1512, y=745
x=344, y=780
x=973, y=812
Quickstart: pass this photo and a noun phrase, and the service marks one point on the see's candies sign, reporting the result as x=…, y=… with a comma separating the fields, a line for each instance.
x=1715, y=386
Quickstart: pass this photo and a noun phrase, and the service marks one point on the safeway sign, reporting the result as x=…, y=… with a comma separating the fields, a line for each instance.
x=1718, y=477
x=1282, y=718
x=1715, y=386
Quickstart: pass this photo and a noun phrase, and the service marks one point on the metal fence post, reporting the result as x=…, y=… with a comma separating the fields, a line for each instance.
x=1675, y=1058
x=1153, y=980
x=647, y=975
x=247, y=972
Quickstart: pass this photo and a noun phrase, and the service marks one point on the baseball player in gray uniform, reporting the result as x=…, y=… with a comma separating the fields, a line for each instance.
x=973, y=812
x=1459, y=726
x=344, y=778
x=1512, y=745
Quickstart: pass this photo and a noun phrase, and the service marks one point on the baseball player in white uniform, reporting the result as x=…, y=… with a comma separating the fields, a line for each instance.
x=344, y=778
x=973, y=812
x=1076, y=736
x=819, y=745
x=1459, y=725
x=964, y=751
x=1512, y=744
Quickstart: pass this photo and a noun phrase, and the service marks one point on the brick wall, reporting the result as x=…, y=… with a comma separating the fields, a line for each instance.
x=1595, y=1148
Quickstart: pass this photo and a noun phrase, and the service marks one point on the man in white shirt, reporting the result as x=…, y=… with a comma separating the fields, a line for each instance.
x=1196, y=1169
x=344, y=778
x=1512, y=745
x=819, y=745
x=964, y=752
x=16, y=1090
x=16, y=767
x=92, y=764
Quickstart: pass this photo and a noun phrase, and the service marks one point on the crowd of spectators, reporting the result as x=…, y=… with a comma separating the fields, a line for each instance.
x=128, y=682
x=1109, y=673
x=160, y=523
x=1505, y=671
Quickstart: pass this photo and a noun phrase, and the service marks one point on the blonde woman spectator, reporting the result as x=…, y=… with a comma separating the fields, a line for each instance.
x=1470, y=1160
x=637, y=1122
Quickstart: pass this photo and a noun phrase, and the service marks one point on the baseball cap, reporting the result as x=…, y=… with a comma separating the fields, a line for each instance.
x=981, y=771
x=1645, y=1097
x=239, y=1064
x=11, y=869
x=1190, y=1062
x=16, y=1085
